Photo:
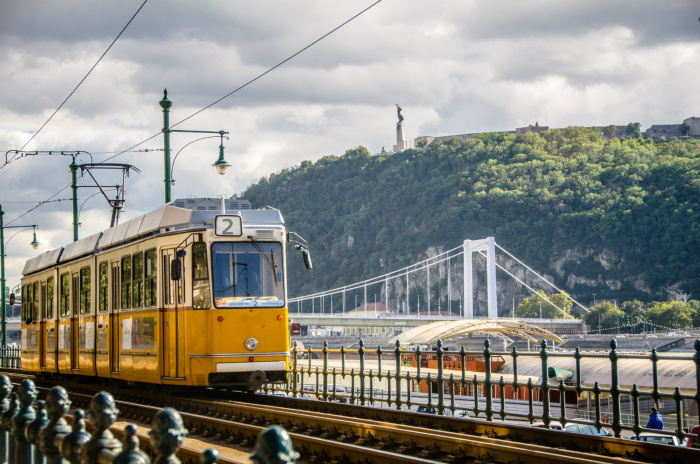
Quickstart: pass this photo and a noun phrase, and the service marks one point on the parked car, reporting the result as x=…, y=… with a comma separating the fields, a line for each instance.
x=427, y=410
x=693, y=442
x=659, y=439
x=586, y=429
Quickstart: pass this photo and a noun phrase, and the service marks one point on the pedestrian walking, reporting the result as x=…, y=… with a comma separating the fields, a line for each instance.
x=655, y=420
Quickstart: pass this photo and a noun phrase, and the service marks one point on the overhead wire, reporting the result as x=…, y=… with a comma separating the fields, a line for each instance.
x=253, y=79
x=193, y=114
x=85, y=77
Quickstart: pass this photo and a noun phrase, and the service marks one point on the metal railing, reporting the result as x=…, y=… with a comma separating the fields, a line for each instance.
x=11, y=356
x=385, y=379
x=43, y=436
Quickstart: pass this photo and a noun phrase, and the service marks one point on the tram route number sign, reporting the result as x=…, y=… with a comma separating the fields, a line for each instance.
x=228, y=226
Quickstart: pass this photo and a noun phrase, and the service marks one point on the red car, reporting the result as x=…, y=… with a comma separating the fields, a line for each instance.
x=693, y=442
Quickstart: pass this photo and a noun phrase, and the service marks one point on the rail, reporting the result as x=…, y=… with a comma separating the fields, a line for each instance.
x=395, y=379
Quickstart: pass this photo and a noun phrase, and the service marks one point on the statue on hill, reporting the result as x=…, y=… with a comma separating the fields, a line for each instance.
x=398, y=110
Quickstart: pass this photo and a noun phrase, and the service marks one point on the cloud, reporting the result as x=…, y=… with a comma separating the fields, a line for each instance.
x=455, y=66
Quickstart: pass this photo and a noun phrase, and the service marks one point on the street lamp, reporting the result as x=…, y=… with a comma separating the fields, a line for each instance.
x=3, y=308
x=220, y=165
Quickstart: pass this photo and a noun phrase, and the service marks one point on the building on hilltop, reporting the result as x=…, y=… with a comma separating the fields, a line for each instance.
x=655, y=131
x=536, y=128
x=663, y=130
x=694, y=124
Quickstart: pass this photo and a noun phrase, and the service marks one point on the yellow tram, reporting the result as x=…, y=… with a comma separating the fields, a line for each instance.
x=193, y=293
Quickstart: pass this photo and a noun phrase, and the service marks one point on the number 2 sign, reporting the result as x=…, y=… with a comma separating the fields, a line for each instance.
x=229, y=226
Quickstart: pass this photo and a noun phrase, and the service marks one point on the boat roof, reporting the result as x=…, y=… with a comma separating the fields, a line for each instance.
x=179, y=214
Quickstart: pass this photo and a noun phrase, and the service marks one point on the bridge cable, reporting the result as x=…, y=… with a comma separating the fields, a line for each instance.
x=531, y=270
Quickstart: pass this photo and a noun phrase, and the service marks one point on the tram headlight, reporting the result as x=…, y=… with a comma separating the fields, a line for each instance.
x=251, y=344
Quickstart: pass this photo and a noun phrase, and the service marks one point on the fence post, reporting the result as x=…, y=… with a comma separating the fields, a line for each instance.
x=487, y=380
x=544, y=386
x=5, y=390
x=57, y=405
x=655, y=377
x=579, y=388
x=273, y=445
x=71, y=443
x=397, y=353
x=33, y=429
x=696, y=358
x=440, y=381
x=325, y=371
x=361, y=352
x=679, y=413
x=531, y=408
x=26, y=394
x=132, y=453
x=294, y=368
x=7, y=426
x=636, y=428
x=516, y=387
x=615, y=389
x=167, y=434
x=102, y=414
x=596, y=393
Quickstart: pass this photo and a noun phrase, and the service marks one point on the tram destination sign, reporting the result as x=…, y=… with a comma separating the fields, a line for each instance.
x=228, y=226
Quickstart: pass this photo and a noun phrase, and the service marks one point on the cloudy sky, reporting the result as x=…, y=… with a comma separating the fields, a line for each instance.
x=455, y=66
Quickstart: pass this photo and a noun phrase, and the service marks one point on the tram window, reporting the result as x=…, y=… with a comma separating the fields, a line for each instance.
x=25, y=301
x=64, y=295
x=102, y=304
x=166, y=282
x=35, y=305
x=200, y=277
x=85, y=290
x=137, y=297
x=126, y=282
x=49, y=298
x=247, y=274
x=150, y=289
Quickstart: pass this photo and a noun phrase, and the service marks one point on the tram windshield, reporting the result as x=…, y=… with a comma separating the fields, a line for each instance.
x=247, y=274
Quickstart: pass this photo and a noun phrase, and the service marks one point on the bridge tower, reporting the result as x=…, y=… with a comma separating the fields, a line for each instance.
x=489, y=246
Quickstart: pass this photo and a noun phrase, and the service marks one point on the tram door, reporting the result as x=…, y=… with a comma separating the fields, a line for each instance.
x=114, y=325
x=172, y=346
x=75, y=322
x=42, y=327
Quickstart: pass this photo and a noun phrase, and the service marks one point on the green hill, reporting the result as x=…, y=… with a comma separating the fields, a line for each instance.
x=619, y=218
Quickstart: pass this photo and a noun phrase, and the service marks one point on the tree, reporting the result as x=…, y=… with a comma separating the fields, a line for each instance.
x=610, y=131
x=604, y=316
x=634, y=129
x=684, y=129
x=634, y=311
x=530, y=307
x=669, y=314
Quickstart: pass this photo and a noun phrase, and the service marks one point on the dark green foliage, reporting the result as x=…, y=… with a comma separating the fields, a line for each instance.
x=634, y=129
x=542, y=195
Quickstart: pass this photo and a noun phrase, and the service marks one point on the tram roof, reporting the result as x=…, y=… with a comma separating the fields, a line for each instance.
x=178, y=214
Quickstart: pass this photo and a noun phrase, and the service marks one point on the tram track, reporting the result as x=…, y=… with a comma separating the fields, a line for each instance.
x=397, y=437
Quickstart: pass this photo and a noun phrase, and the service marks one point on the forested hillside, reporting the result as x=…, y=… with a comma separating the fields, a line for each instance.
x=619, y=218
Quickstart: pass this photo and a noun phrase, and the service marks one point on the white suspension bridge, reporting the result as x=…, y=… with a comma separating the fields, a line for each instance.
x=394, y=289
